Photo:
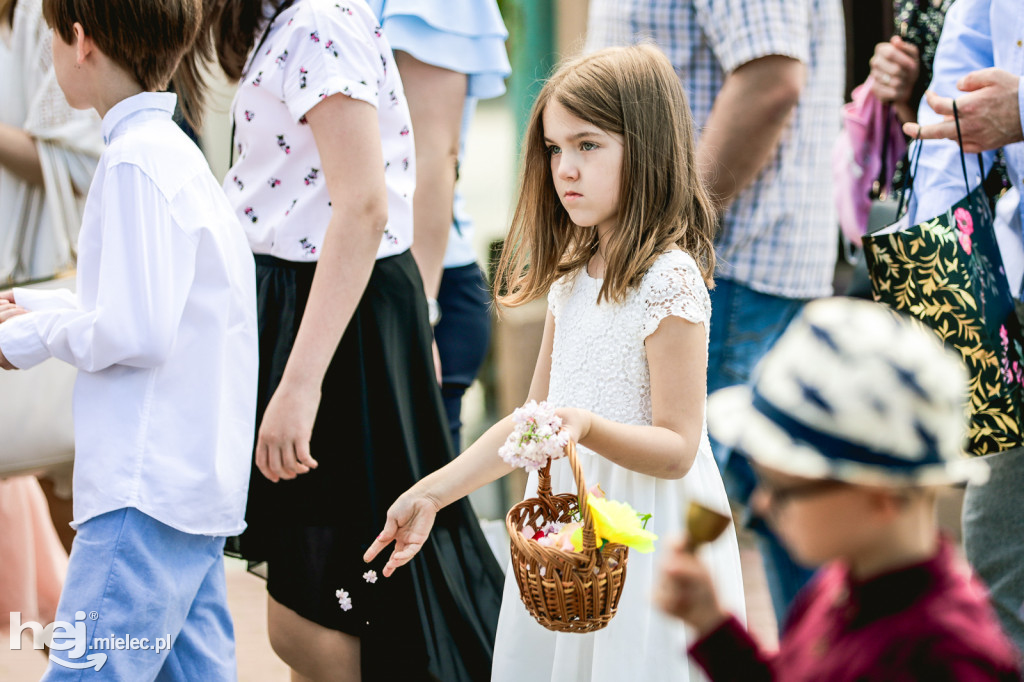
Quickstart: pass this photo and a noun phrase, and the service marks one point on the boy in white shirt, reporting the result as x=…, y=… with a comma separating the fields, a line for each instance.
x=163, y=330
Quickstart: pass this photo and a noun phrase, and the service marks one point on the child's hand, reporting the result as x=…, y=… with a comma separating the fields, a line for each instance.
x=282, y=446
x=7, y=295
x=9, y=310
x=409, y=522
x=576, y=421
x=685, y=590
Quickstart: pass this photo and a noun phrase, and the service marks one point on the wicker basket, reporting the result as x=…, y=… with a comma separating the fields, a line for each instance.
x=565, y=591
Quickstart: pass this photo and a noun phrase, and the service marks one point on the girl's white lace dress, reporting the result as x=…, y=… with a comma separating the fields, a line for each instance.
x=599, y=363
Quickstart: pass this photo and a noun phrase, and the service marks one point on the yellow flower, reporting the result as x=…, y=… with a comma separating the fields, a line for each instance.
x=616, y=522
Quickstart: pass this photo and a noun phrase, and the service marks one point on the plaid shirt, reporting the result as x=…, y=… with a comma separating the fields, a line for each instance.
x=779, y=235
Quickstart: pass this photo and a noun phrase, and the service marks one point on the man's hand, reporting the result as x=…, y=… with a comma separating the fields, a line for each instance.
x=989, y=112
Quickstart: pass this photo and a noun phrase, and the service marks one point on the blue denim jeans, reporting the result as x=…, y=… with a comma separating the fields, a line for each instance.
x=744, y=325
x=146, y=602
x=462, y=336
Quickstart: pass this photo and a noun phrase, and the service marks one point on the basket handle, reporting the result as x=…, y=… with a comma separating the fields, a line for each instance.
x=544, y=492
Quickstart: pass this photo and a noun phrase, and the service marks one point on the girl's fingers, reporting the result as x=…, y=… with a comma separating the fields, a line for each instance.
x=274, y=461
x=401, y=558
x=290, y=461
x=305, y=459
x=382, y=540
x=263, y=460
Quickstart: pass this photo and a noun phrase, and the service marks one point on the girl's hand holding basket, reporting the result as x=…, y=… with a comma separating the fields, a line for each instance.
x=566, y=590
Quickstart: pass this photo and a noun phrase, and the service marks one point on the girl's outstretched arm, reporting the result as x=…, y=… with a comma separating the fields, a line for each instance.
x=411, y=517
x=678, y=360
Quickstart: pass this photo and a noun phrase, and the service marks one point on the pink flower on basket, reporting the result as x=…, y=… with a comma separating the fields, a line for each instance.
x=536, y=438
x=964, y=228
x=344, y=601
x=562, y=538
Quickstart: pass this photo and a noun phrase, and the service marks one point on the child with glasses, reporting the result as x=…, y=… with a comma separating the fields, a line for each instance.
x=853, y=422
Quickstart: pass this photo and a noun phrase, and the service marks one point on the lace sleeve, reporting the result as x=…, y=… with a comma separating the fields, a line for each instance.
x=674, y=287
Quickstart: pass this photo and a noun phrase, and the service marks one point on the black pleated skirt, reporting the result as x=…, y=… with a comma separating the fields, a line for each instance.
x=381, y=427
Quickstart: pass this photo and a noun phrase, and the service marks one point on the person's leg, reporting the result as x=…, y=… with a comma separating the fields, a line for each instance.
x=744, y=325
x=462, y=336
x=130, y=581
x=205, y=646
x=312, y=651
x=57, y=488
x=994, y=541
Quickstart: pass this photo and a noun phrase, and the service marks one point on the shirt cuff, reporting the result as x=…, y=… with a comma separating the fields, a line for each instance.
x=1020, y=100
x=20, y=342
x=35, y=300
x=729, y=652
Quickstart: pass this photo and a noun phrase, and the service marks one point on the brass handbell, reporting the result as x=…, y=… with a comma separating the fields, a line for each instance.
x=703, y=525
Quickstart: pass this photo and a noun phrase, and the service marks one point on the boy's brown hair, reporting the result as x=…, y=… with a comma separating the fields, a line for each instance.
x=147, y=38
x=635, y=93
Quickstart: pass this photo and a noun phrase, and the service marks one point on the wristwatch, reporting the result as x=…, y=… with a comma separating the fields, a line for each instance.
x=433, y=311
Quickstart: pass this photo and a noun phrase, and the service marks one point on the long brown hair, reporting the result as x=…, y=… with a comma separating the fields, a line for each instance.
x=228, y=34
x=633, y=92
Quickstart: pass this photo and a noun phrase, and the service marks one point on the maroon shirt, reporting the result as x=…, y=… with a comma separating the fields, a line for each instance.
x=929, y=621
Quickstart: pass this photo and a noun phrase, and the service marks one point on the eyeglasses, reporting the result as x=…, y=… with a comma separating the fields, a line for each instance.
x=780, y=495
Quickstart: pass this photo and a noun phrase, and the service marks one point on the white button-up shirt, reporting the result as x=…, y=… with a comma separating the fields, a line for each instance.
x=163, y=332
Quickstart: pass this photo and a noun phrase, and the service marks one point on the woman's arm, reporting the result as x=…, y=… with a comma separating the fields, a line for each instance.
x=19, y=154
x=677, y=357
x=436, y=99
x=348, y=140
x=411, y=517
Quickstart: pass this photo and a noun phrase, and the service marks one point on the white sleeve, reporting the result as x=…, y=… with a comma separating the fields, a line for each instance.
x=44, y=299
x=144, y=275
x=674, y=289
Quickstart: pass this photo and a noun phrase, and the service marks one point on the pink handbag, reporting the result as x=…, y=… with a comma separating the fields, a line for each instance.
x=866, y=152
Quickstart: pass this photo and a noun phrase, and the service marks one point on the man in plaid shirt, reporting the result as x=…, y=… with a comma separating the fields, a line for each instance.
x=765, y=83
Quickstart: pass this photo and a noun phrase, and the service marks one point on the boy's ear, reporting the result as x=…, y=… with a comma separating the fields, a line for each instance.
x=83, y=44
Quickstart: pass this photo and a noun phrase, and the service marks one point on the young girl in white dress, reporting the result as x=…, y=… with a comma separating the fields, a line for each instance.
x=614, y=223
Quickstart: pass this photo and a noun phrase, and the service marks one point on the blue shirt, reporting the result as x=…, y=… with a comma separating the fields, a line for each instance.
x=978, y=34
x=467, y=36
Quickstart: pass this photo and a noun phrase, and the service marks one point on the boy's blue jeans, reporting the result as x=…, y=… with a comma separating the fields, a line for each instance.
x=135, y=585
x=744, y=325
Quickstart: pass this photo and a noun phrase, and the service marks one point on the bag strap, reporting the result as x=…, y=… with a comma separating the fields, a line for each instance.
x=963, y=161
x=908, y=178
x=883, y=176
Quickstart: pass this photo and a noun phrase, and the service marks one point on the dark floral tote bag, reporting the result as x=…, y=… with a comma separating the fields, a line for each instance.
x=947, y=273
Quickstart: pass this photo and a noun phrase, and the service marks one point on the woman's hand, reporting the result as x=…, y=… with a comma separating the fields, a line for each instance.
x=409, y=522
x=685, y=590
x=282, y=446
x=895, y=67
x=576, y=421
